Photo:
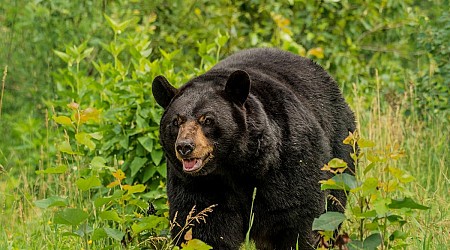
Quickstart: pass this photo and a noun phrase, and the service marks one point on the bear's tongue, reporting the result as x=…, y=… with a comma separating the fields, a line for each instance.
x=191, y=164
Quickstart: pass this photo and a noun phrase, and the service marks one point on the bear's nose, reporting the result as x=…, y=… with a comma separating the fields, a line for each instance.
x=185, y=147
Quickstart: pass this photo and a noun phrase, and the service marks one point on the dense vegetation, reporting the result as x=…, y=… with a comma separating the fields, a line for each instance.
x=80, y=162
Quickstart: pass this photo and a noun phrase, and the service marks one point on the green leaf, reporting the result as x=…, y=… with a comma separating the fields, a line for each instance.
x=337, y=163
x=372, y=242
x=340, y=182
x=98, y=163
x=53, y=170
x=146, y=142
x=139, y=188
x=53, y=201
x=195, y=244
x=100, y=201
x=63, y=120
x=369, y=186
x=110, y=215
x=99, y=233
x=85, y=139
x=328, y=221
x=66, y=148
x=70, y=216
x=114, y=233
x=90, y=182
x=156, y=156
x=381, y=206
x=137, y=164
x=407, y=203
x=364, y=143
x=148, y=173
x=162, y=170
x=369, y=167
x=65, y=57
x=149, y=223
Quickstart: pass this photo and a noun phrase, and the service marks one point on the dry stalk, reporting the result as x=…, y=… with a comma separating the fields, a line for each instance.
x=190, y=218
x=5, y=72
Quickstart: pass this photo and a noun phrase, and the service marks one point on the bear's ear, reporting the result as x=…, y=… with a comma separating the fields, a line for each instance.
x=238, y=86
x=163, y=91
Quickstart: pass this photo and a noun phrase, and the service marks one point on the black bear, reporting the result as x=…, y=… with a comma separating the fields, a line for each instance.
x=261, y=118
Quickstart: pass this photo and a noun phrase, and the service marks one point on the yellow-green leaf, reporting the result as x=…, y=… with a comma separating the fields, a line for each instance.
x=63, y=120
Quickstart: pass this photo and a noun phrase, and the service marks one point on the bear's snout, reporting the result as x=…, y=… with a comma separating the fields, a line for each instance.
x=184, y=147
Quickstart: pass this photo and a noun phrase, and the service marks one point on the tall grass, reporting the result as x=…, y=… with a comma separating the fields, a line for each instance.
x=426, y=146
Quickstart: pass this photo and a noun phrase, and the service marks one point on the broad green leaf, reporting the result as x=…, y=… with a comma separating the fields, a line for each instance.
x=65, y=57
x=372, y=242
x=70, y=216
x=99, y=233
x=98, y=163
x=88, y=183
x=148, y=223
x=328, y=221
x=364, y=143
x=381, y=205
x=139, y=188
x=397, y=234
x=110, y=215
x=337, y=163
x=137, y=164
x=401, y=175
x=340, y=182
x=195, y=244
x=148, y=173
x=162, y=170
x=406, y=203
x=53, y=201
x=146, y=142
x=369, y=186
x=114, y=233
x=156, y=156
x=66, y=148
x=63, y=120
x=53, y=170
x=85, y=139
x=96, y=135
x=369, y=167
x=100, y=201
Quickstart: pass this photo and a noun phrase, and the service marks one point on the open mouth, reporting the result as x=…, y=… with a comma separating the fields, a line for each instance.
x=194, y=165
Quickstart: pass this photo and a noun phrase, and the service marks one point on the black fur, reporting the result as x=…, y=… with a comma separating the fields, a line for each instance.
x=276, y=138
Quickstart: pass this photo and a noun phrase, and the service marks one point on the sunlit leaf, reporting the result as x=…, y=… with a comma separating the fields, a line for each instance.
x=364, y=143
x=88, y=183
x=63, y=120
x=195, y=244
x=53, y=170
x=328, y=221
x=85, y=139
x=134, y=189
x=317, y=52
x=407, y=203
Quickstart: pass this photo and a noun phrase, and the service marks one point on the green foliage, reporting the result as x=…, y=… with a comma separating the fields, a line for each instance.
x=379, y=203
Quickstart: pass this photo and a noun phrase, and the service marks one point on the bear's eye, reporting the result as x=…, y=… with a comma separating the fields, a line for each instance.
x=175, y=122
x=208, y=121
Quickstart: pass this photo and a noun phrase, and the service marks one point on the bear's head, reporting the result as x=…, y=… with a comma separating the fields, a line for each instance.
x=202, y=120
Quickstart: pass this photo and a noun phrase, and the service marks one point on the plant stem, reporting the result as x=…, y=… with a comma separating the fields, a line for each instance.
x=5, y=72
